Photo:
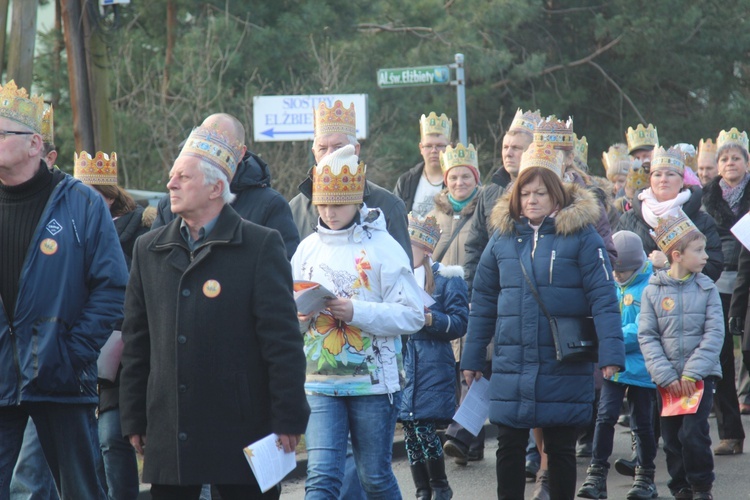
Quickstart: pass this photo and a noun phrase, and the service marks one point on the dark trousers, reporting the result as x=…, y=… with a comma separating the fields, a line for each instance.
x=687, y=445
x=227, y=492
x=640, y=402
x=726, y=404
x=560, y=447
x=455, y=430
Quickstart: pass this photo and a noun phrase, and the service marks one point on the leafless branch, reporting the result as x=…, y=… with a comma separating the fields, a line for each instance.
x=619, y=89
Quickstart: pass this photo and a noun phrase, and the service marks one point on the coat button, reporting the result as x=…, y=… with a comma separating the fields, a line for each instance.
x=181, y=339
x=182, y=436
x=186, y=293
x=182, y=388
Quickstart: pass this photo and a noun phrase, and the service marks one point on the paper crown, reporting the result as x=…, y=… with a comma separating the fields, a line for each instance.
x=706, y=151
x=616, y=161
x=214, y=147
x=434, y=124
x=100, y=170
x=339, y=178
x=424, y=233
x=670, y=159
x=556, y=133
x=460, y=156
x=581, y=149
x=641, y=138
x=542, y=155
x=637, y=177
x=16, y=105
x=525, y=121
x=733, y=137
x=48, y=125
x=671, y=229
x=335, y=120
x=689, y=157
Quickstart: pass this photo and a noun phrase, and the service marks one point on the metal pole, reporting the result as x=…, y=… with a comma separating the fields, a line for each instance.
x=460, y=84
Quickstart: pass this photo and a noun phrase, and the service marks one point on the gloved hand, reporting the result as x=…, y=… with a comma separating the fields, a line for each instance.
x=736, y=326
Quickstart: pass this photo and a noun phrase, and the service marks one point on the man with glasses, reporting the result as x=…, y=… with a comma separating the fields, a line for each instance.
x=418, y=187
x=62, y=289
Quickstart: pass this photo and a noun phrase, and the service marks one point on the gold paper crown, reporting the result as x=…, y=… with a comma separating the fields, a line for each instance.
x=670, y=159
x=214, y=147
x=100, y=170
x=734, y=137
x=339, y=178
x=434, y=124
x=557, y=133
x=581, y=149
x=641, y=137
x=16, y=105
x=460, y=156
x=424, y=233
x=335, y=120
x=525, y=121
x=706, y=151
x=689, y=156
x=671, y=229
x=48, y=125
x=616, y=161
x=542, y=155
x=637, y=177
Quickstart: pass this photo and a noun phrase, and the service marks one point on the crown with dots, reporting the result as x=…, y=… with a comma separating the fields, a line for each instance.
x=424, y=233
x=100, y=170
x=732, y=137
x=637, y=177
x=214, y=147
x=581, y=149
x=339, y=178
x=335, y=120
x=616, y=161
x=525, y=121
x=557, y=133
x=542, y=155
x=669, y=159
x=641, y=137
x=16, y=105
x=48, y=125
x=434, y=124
x=706, y=151
x=671, y=229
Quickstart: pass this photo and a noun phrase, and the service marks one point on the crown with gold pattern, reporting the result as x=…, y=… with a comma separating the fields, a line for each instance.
x=424, y=233
x=101, y=170
x=706, y=151
x=641, y=138
x=525, y=121
x=637, y=177
x=671, y=229
x=214, y=147
x=16, y=105
x=669, y=159
x=434, y=124
x=581, y=149
x=733, y=137
x=689, y=156
x=557, y=133
x=335, y=120
x=339, y=178
x=542, y=155
x=48, y=125
x=616, y=161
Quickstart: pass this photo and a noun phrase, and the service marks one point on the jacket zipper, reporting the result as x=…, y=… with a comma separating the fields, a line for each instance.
x=682, y=329
x=604, y=265
x=551, y=265
x=14, y=345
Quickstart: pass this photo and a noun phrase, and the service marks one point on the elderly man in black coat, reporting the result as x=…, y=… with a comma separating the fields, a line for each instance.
x=213, y=358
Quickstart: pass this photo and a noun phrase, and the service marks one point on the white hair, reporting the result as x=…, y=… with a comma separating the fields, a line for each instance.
x=212, y=175
x=352, y=140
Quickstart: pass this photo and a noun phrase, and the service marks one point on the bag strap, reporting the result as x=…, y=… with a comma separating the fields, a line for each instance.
x=438, y=258
x=533, y=291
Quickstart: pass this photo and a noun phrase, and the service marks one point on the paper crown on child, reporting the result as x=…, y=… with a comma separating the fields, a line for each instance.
x=668, y=159
x=335, y=120
x=460, y=156
x=213, y=146
x=542, y=155
x=581, y=149
x=689, y=157
x=637, y=177
x=17, y=105
x=641, y=138
x=671, y=229
x=732, y=137
x=100, y=170
x=48, y=125
x=434, y=124
x=339, y=178
x=424, y=233
x=616, y=161
x=525, y=121
x=706, y=151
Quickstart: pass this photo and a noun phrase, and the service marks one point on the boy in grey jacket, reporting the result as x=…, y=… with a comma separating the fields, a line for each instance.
x=681, y=331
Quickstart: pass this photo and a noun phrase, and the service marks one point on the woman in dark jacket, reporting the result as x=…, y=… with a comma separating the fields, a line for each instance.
x=429, y=394
x=547, y=229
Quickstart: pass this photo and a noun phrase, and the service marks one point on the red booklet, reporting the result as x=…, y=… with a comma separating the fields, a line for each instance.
x=686, y=405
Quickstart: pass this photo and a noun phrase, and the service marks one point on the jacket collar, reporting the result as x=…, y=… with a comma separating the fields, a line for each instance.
x=227, y=231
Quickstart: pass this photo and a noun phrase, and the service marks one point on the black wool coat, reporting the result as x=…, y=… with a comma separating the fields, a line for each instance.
x=716, y=207
x=213, y=358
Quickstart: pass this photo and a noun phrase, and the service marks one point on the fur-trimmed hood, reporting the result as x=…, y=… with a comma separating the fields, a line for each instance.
x=582, y=211
x=451, y=271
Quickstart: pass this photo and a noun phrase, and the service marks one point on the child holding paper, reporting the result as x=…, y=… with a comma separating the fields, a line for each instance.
x=681, y=332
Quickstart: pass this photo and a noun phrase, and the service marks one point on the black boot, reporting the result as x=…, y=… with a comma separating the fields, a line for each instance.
x=438, y=480
x=643, y=486
x=421, y=477
x=595, y=485
x=702, y=492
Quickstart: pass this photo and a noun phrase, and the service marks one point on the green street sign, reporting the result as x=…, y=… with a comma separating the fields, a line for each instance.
x=412, y=77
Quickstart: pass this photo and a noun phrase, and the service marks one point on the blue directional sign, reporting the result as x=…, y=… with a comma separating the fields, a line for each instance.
x=290, y=117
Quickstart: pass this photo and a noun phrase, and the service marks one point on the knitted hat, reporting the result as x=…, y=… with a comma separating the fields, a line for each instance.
x=424, y=233
x=339, y=178
x=630, y=254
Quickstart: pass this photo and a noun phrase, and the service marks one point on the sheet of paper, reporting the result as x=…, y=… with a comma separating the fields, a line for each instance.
x=742, y=230
x=686, y=405
x=109, y=358
x=475, y=408
x=311, y=297
x=269, y=462
x=427, y=298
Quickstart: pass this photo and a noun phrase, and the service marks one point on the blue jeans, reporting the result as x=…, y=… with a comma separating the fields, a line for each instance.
x=120, y=466
x=352, y=488
x=371, y=420
x=640, y=401
x=67, y=433
x=32, y=479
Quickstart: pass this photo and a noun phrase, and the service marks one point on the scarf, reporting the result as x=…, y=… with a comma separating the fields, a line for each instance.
x=458, y=206
x=732, y=195
x=652, y=210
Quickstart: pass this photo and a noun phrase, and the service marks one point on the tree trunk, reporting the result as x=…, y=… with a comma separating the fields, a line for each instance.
x=4, y=23
x=83, y=130
x=22, y=39
x=171, y=23
x=56, y=58
x=97, y=62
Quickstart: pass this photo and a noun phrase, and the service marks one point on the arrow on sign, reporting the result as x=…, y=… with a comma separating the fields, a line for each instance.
x=271, y=132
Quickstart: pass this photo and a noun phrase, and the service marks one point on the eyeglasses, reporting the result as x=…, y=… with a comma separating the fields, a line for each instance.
x=6, y=133
x=434, y=147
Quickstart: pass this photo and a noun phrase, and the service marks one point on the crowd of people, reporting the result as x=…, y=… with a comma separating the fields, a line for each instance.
x=173, y=334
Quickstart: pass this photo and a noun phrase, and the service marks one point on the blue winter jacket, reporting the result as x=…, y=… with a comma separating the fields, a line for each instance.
x=571, y=271
x=629, y=296
x=430, y=391
x=70, y=293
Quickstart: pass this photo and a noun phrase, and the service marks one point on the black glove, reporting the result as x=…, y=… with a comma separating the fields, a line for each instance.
x=736, y=326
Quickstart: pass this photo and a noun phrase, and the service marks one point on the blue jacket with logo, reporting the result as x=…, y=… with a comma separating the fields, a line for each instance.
x=70, y=293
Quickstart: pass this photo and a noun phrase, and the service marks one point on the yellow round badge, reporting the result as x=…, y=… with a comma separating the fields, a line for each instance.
x=48, y=246
x=667, y=304
x=211, y=289
x=627, y=299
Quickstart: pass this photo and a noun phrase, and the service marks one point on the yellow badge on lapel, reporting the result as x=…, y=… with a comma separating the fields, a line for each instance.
x=211, y=289
x=667, y=304
x=627, y=299
x=48, y=246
